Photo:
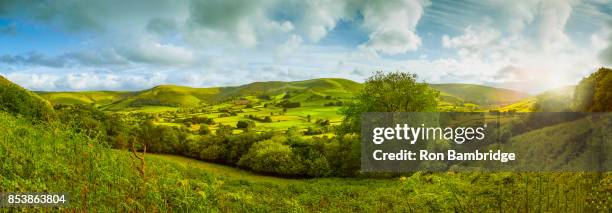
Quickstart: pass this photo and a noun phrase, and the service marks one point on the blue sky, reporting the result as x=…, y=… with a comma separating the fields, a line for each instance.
x=528, y=45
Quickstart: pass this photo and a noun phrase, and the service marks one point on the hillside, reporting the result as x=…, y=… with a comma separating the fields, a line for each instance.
x=167, y=95
x=313, y=91
x=181, y=96
x=478, y=94
x=19, y=101
x=320, y=86
x=566, y=146
x=87, y=97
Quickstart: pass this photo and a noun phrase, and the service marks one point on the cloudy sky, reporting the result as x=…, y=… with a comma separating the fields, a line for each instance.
x=530, y=45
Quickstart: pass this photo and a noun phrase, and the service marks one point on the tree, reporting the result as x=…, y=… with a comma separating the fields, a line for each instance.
x=390, y=92
x=223, y=130
x=272, y=156
x=245, y=124
x=594, y=93
x=204, y=129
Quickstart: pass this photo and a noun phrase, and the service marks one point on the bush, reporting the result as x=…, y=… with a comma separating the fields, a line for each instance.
x=272, y=156
x=266, y=119
x=204, y=129
x=313, y=131
x=212, y=149
x=288, y=104
x=245, y=124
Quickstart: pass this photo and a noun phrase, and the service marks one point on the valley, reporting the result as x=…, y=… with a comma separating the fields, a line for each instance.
x=269, y=146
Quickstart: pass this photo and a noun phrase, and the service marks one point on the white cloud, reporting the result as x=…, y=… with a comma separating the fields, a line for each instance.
x=392, y=25
x=140, y=44
x=472, y=39
x=553, y=16
x=320, y=16
x=289, y=46
x=154, y=52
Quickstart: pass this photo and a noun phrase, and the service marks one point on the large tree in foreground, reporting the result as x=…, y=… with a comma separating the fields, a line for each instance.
x=388, y=92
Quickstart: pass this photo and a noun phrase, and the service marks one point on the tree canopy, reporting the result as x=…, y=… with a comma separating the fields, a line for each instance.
x=389, y=92
x=594, y=93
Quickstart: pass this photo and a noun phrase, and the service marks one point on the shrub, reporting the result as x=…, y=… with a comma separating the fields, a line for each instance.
x=272, y=156
x=245, y=124
x=204, y=129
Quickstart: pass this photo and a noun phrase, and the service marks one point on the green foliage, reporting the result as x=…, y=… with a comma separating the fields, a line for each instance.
x=204, y=129
x=557, y=100
x=272, y=156
x=594, y=93
x=159, y=139
x=223, y=130
x=18, y=101
x=390, y=92
x=288, y=104
x=245, y=124
x=54, y=158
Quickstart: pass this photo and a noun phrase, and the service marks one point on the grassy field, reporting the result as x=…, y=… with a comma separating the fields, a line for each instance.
x=223, y=171
x=52, y=157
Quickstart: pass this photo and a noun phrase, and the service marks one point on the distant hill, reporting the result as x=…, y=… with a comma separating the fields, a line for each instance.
x=19, y=101
x=88, y=97
x=167, y=95
x=176, y=96
x=478, y=94
x=321, y=86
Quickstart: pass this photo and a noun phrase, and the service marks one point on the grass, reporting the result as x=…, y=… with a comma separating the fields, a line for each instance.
x=53, y=158
x=222, y=170
x=90, y=97
x=525, y=105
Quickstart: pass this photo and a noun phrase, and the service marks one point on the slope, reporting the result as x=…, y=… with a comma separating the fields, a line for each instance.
x=565, y=146
x=169, y=95
x=478, y=94
x=87, y=97
x=182, y=96
x=19, y=101
x=320, y=86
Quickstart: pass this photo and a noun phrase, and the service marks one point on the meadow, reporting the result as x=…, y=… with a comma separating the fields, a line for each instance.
x=265, y=146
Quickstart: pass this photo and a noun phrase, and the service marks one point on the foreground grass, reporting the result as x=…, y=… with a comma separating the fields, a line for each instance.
x=419, y=192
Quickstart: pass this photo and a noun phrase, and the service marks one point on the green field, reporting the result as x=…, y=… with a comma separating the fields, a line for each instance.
x=315, y=97
x=290, y=159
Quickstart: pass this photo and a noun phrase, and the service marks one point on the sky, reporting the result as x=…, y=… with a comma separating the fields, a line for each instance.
x=527, y=45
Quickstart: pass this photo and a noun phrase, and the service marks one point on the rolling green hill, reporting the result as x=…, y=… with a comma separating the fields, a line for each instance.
x=478, y=94
x=88, y=97
x=320, y=86
x=311, y=91
x=19, y=101
x=167, y=95
x=181, y=96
